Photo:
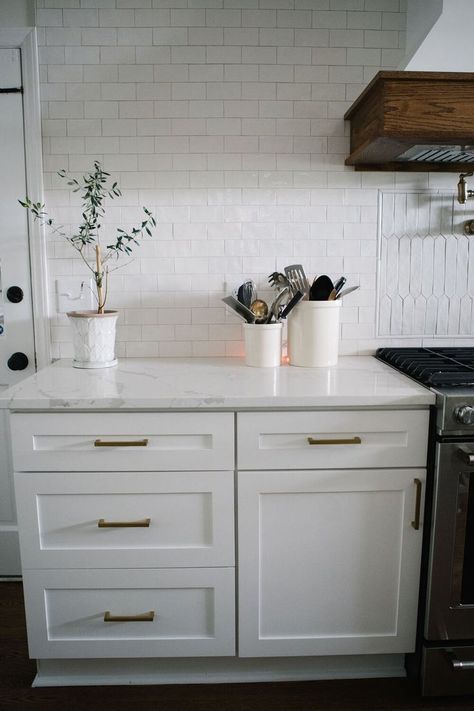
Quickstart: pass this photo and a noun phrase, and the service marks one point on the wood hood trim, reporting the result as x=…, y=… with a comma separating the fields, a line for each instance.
x=399, y=111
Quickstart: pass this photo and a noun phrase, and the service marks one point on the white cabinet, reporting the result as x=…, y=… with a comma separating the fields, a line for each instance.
x=119, y=441
x=127, y=533
x=329, y=558
x=9, y=548
x=328, y=561
x=130, y=613
x=339, y=439
x=133, y=519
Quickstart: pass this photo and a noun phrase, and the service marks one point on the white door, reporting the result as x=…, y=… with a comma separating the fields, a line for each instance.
x=328, y=561
x=17, y=356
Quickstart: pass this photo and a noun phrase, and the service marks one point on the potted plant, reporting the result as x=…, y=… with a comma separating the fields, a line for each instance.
x=94, y=331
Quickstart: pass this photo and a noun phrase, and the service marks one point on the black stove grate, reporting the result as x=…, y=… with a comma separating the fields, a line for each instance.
x=435, y=367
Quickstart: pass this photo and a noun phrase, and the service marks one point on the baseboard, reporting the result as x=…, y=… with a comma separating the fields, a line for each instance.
x=115, y=672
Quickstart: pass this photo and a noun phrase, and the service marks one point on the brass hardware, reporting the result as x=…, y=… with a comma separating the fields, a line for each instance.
x=469, y=227
x=464, y=194
x=350, y=440
x=416, y=522
x=144, y=617
x=121, y=443
x=144, y=523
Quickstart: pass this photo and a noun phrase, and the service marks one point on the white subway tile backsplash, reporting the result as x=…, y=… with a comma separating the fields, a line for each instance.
x=80, y=18
x=365, y=20
x=331, y=20
x=119, y=127
x=223, y=18
x=188, y=17
x=169, y=36
x=225, y=118
x=83, y=92
x=259, y=18
x=152, y=18
x=242, y=37
x=383, y=38
x=51, y=55
x=49, y=18
x=62, y=37
x=67, y=145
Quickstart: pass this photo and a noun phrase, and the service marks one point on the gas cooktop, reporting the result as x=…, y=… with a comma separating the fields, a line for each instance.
x=433, y=367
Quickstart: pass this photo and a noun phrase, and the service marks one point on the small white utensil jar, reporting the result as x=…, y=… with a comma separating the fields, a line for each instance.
x=262, y=344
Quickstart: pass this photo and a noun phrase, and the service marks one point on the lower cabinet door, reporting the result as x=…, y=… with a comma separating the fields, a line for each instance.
x=329, y=561
x=130, y=613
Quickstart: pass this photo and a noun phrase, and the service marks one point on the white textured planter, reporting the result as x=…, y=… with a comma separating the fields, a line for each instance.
x=93, y=337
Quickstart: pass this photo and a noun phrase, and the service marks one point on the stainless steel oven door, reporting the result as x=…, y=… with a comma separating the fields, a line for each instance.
x=450, y=593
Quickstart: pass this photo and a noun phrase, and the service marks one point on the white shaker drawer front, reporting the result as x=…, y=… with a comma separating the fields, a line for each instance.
x=332, y=439
x=123, y=519
x=118, y=441
x=130, y=613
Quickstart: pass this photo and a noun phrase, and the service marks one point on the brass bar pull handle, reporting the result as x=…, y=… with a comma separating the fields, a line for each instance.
x=144, y=617
x=349, y=440
x=121, y=443
x=143, y=523
x=416, y=522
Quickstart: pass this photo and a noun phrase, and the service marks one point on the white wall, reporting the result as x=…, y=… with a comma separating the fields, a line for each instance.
x=448, y=47
x=225, y=117
x=421, y=16
x=17, y=13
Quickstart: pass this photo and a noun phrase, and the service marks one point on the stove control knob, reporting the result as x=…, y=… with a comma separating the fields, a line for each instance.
x=464, y=414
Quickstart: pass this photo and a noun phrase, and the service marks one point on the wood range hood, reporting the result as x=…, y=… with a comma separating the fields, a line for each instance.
x=414, y=121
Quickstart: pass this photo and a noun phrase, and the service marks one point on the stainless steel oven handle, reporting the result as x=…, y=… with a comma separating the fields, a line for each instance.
x=457, y=664
x=467, y=457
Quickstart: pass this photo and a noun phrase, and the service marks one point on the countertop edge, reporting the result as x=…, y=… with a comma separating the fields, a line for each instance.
x=224, y=384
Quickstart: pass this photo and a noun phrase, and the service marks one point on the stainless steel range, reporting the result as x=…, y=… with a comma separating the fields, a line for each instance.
x=445, y=650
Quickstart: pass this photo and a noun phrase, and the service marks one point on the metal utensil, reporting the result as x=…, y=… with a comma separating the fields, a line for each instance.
x=246, y=293
x=241, y=294
x=346, y=291
x=259, y=308
x=250, y=292
x=297, y=278
x=239, y=309
x=276, y=303
x=321, y=288
x=278, y=279
x=291, y=304
x=339, y=284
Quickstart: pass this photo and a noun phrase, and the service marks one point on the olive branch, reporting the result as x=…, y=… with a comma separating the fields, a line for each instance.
x=95, y=189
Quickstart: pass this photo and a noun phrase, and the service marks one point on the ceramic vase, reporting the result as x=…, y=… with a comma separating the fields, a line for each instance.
x=93, y=338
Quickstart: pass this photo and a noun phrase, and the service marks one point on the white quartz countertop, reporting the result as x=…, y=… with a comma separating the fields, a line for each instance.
x=214, y=383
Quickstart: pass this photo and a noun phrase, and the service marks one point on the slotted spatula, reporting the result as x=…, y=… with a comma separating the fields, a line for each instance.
x=297, y=278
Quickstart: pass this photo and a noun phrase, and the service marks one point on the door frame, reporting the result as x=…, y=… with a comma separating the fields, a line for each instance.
x=25, y=40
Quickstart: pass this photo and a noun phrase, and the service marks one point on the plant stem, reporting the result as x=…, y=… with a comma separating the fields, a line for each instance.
x=99, y=275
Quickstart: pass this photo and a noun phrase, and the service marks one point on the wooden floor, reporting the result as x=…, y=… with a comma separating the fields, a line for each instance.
x=17, y=672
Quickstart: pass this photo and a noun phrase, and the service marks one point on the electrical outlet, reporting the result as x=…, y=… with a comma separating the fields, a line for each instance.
x=74, y=294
